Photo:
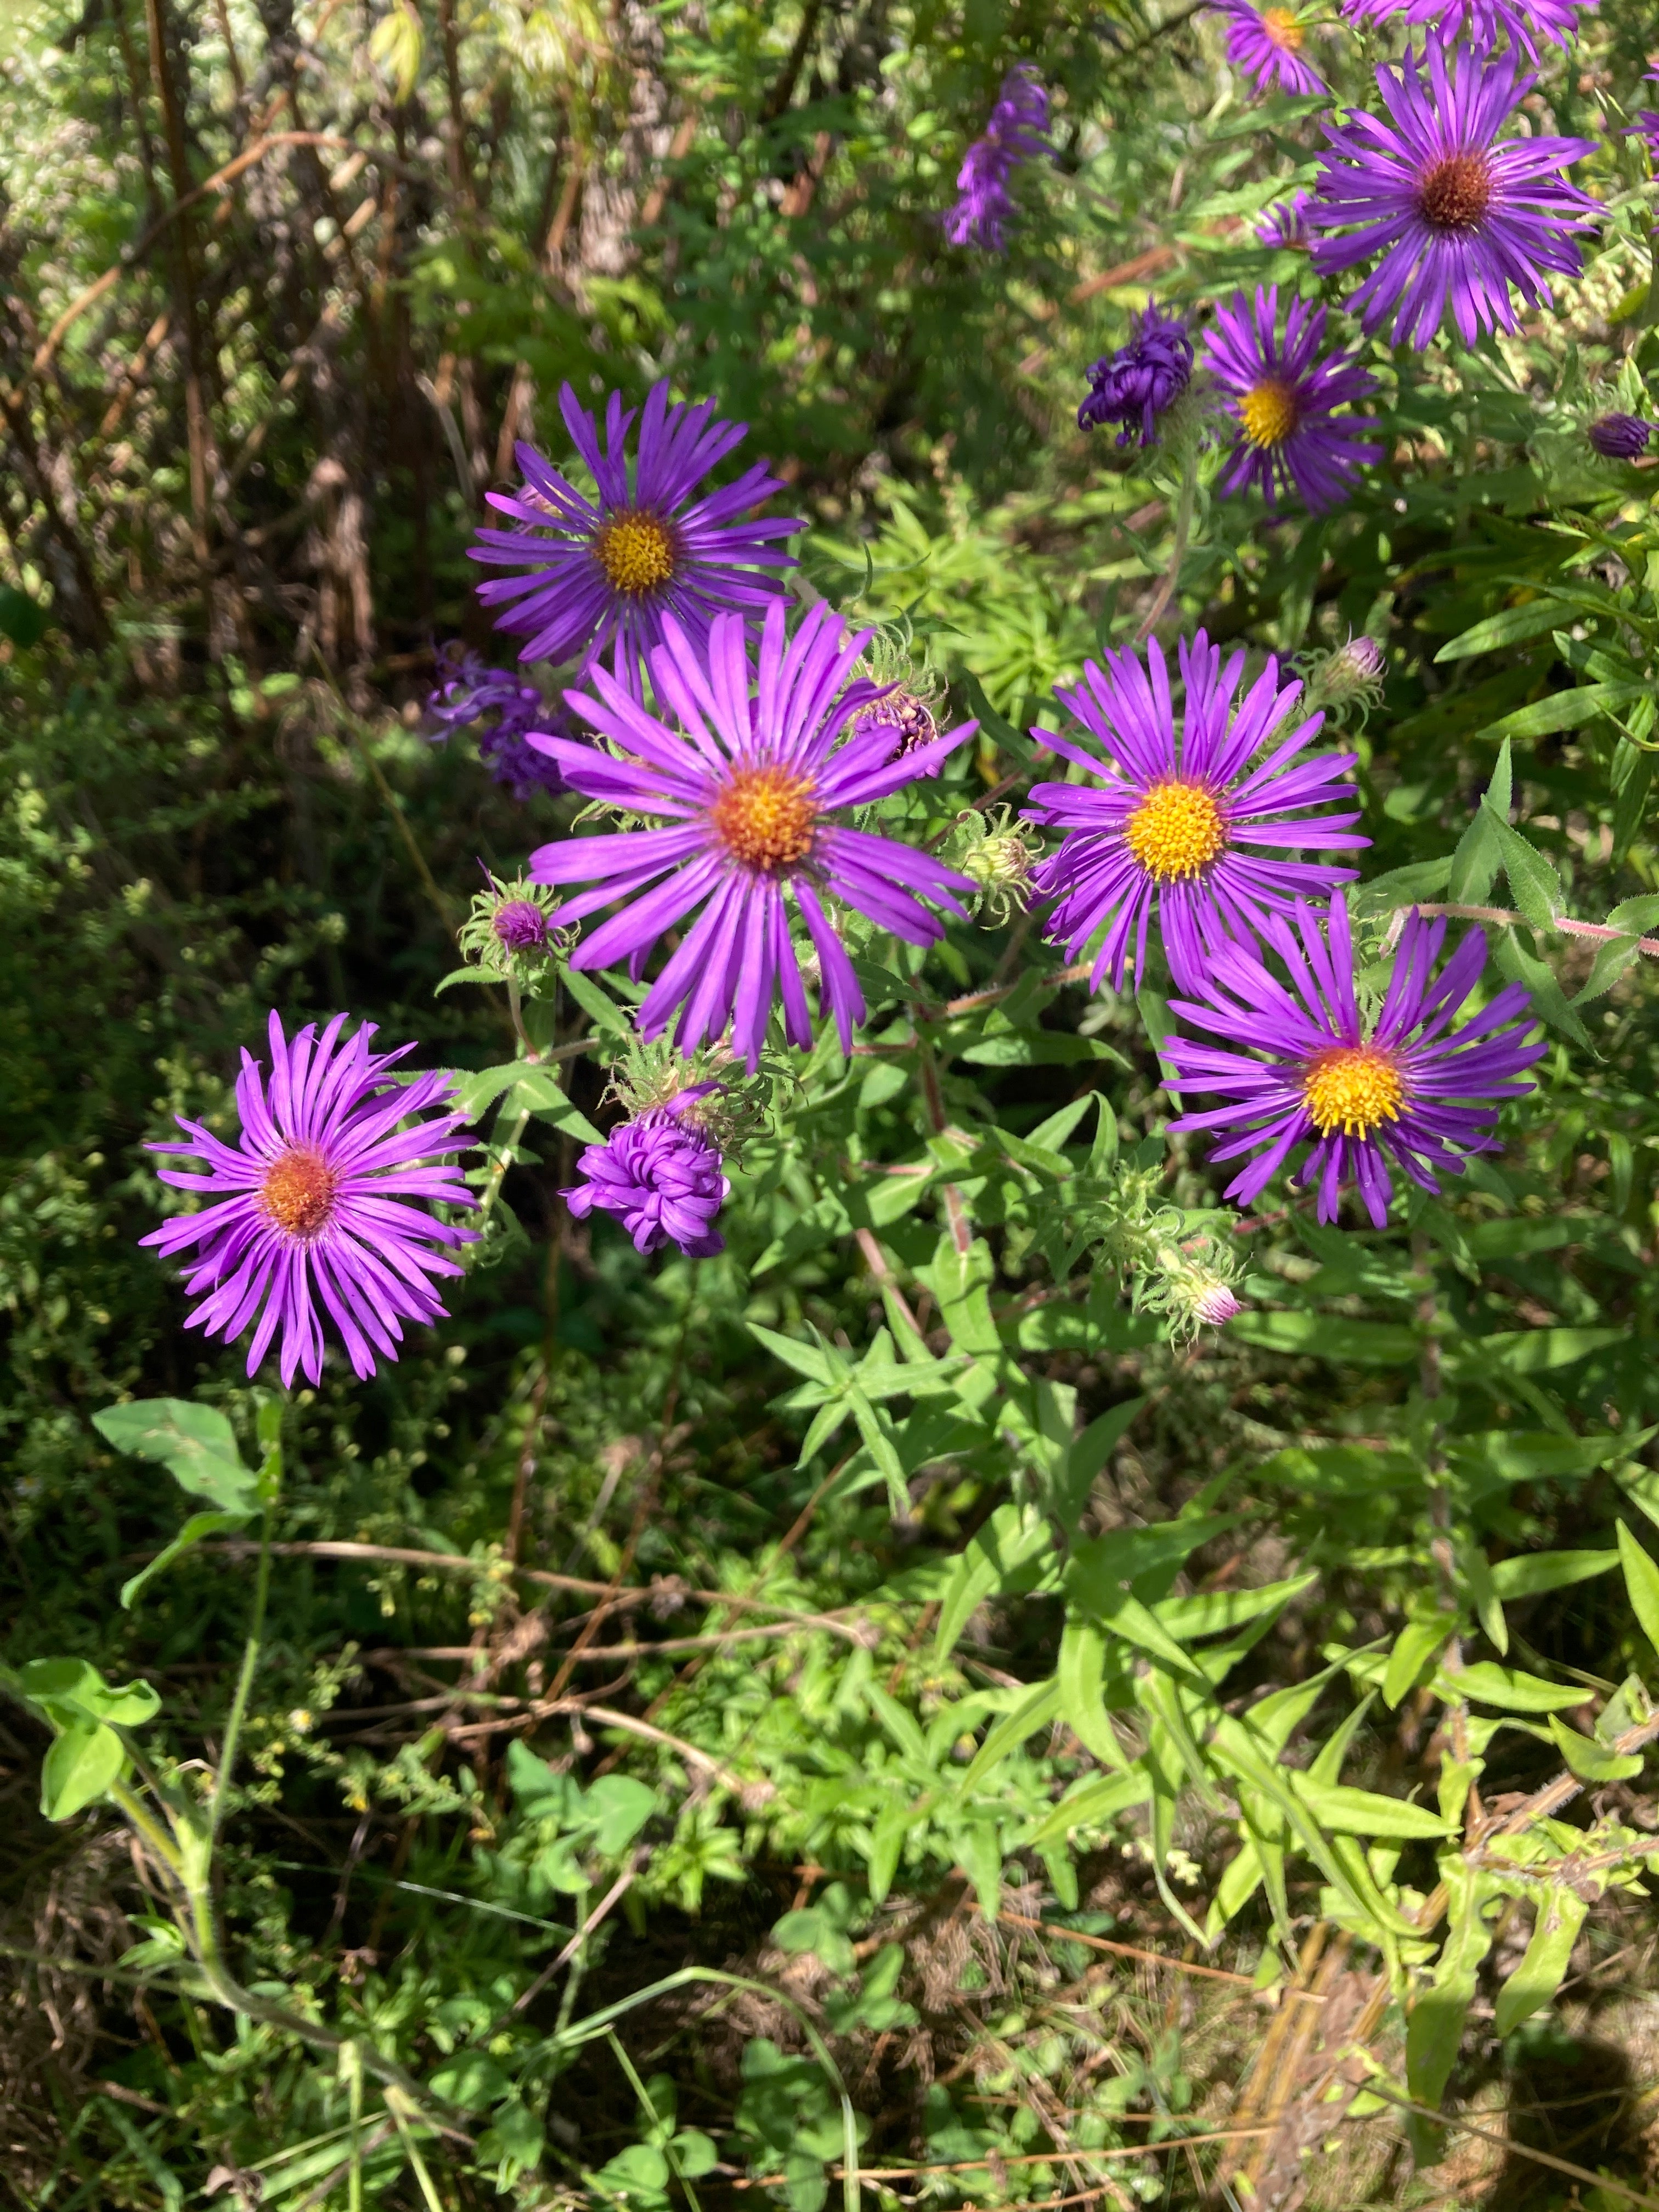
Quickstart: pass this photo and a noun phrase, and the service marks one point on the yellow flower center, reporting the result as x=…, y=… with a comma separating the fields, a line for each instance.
x=1355, y=1088
x=637, y=553
x=1456, y=192
x=1269, y=412
x=298, y=1192
x=1176, y=831
x=1283, y=29
x=765, y=817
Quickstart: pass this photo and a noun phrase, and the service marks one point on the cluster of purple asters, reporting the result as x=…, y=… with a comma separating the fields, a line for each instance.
x=1141, y=380
x=1017, y=133
x=1206, y=830
x=467, y=691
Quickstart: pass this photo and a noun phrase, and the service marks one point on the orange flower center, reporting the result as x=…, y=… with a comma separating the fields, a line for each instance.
x=1355, y=1088
x=1456, y=192
x=1283, y=29
x=1176, y=831
x=765, y=817
x=298, y=1191
x=1269, y=412
x=636, y=552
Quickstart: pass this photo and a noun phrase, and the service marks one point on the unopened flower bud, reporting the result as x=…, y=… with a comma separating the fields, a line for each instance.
x=1001, y=866
x=1216, y=1306
x=1351, y=675
x=1620, y=437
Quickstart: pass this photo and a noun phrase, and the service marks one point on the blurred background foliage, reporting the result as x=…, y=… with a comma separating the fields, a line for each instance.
x=280, y=287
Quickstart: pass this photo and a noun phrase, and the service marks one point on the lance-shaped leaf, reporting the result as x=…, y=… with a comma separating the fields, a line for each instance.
x=1543, y=1968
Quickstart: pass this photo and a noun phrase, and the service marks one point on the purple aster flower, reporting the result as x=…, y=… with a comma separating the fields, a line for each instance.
x=469, y=690
x=1457, y=216
x=1136, y=383
x=661, y=1174
x=311, y=1203
x=604, y=573
x=1646, y=124
x=1487, y=22
x=1285, y=224
x=1017, y=133
x=1162, y=819
x=1284, y=399
x=1266, y=43
x=1620, y=437
x=1408, y=1088
x=749, y=788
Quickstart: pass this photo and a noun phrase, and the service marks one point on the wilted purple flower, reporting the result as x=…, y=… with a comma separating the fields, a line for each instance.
x=1286, y=223
x=1284, y=399
x=1136, y=383
x=749, y=786
x=1408, y=1089
x=1161, y=820
x=1555, y=21
x=1620, y=437
x=1458, y=217
x=312, y=1202
x=1016, y=132
x=469, y=690
x=661, y=1174
x=1266, y=43
x=605, y=574
x=1216, y=1306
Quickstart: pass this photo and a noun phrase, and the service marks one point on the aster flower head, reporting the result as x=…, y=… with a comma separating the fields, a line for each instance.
x=1486, y=23
x=661, y=1174
x=1284, y=399
x=1618, y=437
x=315, y=1210
x=510, y=932
x=1298, y=1062
x=603, y=574
x=1285, y=223
x=1458, y=216
x=1269, y=44
x=748, y=790
x=1017, y=133
x=1165, y=821
x=1142, y=380
x=469, y=690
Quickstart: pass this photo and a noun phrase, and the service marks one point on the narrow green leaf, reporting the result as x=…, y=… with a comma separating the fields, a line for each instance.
x=198, y=1526
x=1589, y=1760
x=1543, y=1968
x=1642, y=1582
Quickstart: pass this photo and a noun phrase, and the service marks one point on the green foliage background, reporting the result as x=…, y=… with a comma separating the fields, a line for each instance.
x=980, y=1619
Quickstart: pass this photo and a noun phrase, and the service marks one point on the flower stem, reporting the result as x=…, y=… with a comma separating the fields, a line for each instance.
x=244, y=1682
x=1183, y=524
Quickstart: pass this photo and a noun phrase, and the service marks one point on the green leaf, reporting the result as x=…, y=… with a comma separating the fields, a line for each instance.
x=1549, y=1001
x=1033, y=1712
x=1081, y=1681
x=198, y=1526
x=1434, y=2027
x=1642, y=1582
x=84, y=1758
x=68, y=1689
x=472, y=2080
x=1085, y=1458
x=1544, y=1965
x=1534, y=885
x=597, y=1003
x=1564, y=710
x=1012, y=1537
x=1321, y=1336
x=620, y=1807
x=1363, y=1812
x=1416, y=1643
x=1530, y=1573
x=1508, y=1688
x=1589, y=1760
x=195, y=1444
x=1508, y=626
